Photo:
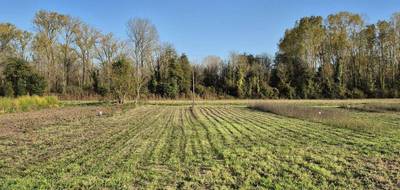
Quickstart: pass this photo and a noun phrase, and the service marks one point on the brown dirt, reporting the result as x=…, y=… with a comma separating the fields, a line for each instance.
x=28, y=121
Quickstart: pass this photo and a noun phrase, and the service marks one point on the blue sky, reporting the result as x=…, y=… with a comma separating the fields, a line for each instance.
x=201, y=27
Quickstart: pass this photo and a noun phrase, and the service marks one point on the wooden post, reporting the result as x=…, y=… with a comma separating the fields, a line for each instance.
x=193, y=88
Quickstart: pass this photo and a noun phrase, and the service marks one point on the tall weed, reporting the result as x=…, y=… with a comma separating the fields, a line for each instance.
x=27, y=103
x=329, y=116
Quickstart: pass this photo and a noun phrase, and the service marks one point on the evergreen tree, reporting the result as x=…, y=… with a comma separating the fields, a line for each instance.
x=23, y=80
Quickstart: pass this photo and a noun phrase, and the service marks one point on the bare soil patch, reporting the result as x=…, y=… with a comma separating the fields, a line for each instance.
x=27, y=121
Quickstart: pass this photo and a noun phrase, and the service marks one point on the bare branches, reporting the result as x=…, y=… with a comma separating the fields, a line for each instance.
x=143, y=39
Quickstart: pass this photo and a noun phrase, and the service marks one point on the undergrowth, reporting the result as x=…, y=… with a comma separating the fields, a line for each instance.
x=27, y=103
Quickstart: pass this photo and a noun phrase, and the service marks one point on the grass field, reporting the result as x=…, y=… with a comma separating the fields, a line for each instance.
x=214, y=145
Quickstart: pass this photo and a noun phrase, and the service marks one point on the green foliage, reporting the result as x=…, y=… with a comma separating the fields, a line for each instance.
x=186, y=76
x=36, y=84
x=326, y=81
x=172, y=77
x=283, y=82
x=334, y=57
x=22, y=78
x=340, y=58
x=122, y=83
x=7, y=89
x=97, y=86
x=172, y=89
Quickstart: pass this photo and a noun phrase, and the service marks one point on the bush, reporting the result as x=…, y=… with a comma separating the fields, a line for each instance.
x=51, y=100
x=6, y=105
x=356, y=93
x=6, y=89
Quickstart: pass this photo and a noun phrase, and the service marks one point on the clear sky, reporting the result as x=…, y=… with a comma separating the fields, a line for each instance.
x=200, y=27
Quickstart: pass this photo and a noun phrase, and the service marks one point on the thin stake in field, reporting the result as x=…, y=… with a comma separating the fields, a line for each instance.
x=193, y=88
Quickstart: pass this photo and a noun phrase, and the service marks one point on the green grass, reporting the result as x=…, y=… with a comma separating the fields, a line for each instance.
x=27, y=103
x=227, y=147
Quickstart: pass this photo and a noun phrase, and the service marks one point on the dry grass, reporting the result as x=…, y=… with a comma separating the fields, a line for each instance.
x=27, y=103
x=317, y=102
x=375, y=107
x=330, y=116
x=297, y=111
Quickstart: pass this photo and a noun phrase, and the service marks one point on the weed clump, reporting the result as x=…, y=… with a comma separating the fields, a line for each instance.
x=27, y=103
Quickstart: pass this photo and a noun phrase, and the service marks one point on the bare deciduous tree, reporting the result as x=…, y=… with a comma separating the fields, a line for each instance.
x=48, y=26
x=86, y=38
x=143, y=37
x=69, y=26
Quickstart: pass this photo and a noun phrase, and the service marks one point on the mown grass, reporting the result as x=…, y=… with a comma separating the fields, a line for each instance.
x=27, y=103
x=222, y=147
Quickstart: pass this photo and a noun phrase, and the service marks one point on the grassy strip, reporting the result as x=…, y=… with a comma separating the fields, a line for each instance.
x=333, y=117
x=244, y=102
x=27, y=103
x=374, y=107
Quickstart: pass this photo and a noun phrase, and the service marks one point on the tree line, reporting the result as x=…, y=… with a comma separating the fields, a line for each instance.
x=337, y=57
x=340, y=58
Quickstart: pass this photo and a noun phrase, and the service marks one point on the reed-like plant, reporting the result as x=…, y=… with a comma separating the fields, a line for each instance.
x=27, y=103
x=329, y=116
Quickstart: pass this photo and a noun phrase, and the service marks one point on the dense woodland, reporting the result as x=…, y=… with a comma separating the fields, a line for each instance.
x=340, y=56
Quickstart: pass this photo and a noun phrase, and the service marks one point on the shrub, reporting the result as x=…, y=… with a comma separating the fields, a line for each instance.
x=356, y=93
x=6, y=105
x=6, y=89
x=51, y=100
